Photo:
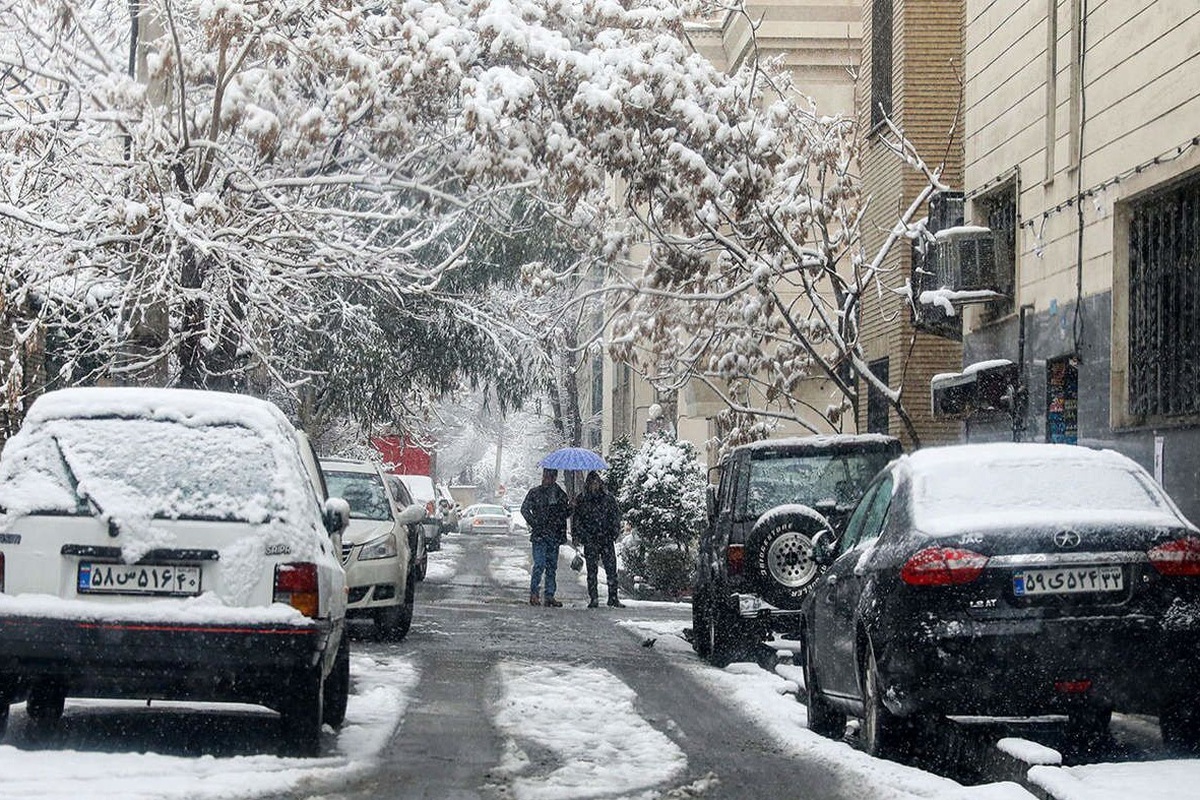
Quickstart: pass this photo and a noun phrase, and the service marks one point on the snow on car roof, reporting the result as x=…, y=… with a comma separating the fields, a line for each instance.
x=820, y=441
x=188, y=406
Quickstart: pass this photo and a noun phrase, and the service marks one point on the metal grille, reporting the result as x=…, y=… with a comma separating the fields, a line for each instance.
x=1164, y=303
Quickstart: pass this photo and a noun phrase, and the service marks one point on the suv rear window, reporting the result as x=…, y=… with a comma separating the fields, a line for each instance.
x=777, y=478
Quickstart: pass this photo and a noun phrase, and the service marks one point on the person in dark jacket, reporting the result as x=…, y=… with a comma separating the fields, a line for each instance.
x=546, y=509
x=596, y=524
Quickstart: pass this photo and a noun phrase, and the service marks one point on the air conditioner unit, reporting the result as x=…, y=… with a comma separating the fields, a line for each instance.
x=964, y=260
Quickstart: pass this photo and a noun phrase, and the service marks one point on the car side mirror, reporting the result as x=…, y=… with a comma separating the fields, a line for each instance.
x=412, y=514
x=823, y=548
x=336, y=515
x=710, y=501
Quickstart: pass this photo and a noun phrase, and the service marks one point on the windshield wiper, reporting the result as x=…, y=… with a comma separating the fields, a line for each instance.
x=114, y=529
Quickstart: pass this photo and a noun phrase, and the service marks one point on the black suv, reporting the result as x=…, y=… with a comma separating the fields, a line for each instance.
x=755, y=560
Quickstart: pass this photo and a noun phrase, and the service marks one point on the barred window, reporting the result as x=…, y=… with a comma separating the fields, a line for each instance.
x=999, y=211
x=1164, y=303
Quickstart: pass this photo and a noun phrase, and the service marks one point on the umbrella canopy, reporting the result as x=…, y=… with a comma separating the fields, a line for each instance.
x=574, y=458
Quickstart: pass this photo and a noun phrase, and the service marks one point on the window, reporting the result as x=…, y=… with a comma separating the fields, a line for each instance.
x=881, y=61
x=999, y=211
x=877, y=402
x=1164, y=303
x=869, y=517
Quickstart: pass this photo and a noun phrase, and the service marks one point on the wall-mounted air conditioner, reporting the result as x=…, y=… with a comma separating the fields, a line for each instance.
x=964, y=259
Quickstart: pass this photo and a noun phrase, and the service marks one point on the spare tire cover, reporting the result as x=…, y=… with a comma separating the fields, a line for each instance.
x=779, y=554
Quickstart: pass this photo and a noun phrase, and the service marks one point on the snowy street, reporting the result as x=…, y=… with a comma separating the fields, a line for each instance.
x=491, y=698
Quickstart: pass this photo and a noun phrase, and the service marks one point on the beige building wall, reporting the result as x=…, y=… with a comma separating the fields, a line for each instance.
x=927, y=71
x=1140, y=116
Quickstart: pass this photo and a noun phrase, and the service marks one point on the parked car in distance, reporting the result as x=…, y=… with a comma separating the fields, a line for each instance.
x=417, y=543
x=422, y=490
x=484, y=518
x=1006, y=579
x=169, y=544
x=378, y=546
x=754, y=560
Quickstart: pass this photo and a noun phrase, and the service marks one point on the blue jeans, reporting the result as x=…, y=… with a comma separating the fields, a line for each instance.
x=545, y=560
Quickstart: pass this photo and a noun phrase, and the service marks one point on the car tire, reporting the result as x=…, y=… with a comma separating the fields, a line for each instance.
x=701, y=641
x=1180, y=726
x=823, y=718
x=301, y=715
x=44, y=707
x=727, y=639
x=393, y=622
x=884, y=734
x=337, y=686
x=422, y=568
x=779, y=557
x=4, y=707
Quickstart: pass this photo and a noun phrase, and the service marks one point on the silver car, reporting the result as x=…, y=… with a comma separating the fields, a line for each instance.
x=484, y=518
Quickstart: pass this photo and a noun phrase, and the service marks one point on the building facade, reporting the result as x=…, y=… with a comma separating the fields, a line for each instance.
x=1083, y=155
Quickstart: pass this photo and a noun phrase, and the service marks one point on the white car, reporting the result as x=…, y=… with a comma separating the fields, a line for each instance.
x=484, y=518
x=377, y=547
x=166, y=543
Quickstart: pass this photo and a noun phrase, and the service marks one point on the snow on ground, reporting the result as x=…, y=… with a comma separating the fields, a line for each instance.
x=573, y=732
x=511, y=559
x=380, y=692
x=443, y=564
x=770, y=699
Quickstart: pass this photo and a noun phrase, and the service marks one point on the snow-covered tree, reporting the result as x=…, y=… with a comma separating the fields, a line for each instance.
x=663, y=492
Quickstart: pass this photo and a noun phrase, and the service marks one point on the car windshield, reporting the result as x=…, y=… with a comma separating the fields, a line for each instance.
x=363, y=491
x=155, y=467
x=1037, y=486
x=782, y=478
x=490, y=510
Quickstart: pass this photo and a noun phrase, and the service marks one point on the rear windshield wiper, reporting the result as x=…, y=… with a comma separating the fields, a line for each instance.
x=83, y=497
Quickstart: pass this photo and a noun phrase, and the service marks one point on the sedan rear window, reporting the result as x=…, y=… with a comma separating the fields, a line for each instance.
x=1035, y=486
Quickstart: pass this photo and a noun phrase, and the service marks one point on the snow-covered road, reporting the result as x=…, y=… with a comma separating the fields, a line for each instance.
x=565, y=703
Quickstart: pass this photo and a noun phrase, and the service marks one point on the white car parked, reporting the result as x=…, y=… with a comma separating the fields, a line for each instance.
x=166, y=543
x=377, y=547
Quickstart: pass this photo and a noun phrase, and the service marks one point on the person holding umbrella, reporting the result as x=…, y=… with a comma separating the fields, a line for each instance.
x=546, y=509
x=596, y=524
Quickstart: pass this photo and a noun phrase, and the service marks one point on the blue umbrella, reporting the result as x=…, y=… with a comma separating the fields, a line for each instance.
x=574, y=458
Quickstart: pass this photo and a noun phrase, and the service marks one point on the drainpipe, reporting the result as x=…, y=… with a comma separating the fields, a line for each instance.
x=1020, y=399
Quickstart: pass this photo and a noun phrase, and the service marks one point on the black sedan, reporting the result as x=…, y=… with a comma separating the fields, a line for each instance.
x=1006, y=579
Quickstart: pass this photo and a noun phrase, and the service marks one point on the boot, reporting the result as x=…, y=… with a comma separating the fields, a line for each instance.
x=615, y=603
x=593, y=603
x=534, y=600
x=550, y=601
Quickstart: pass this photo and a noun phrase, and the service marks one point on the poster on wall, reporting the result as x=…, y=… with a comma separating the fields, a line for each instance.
x=1062, y=401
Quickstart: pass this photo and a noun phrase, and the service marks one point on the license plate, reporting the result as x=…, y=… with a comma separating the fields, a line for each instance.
x=138, y=579
x=1068, y=580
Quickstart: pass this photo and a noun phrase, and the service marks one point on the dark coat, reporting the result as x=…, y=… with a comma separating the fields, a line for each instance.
x=545, y=510
x=597, y=519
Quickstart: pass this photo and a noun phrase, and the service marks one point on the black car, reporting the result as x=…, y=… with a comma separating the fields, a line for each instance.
x=754, y=563
x=1006, y=580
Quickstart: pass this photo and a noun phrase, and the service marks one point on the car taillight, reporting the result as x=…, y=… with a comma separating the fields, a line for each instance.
x=942, y=566
x=735, y=559
x=296, y=584
x=1177, y=559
